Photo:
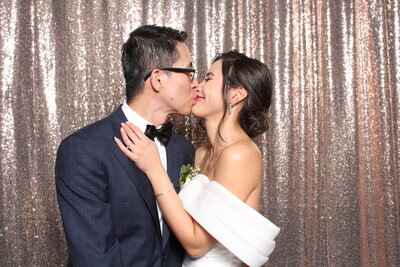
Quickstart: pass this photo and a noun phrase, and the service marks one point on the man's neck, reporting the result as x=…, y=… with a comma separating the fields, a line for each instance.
x=149, y=109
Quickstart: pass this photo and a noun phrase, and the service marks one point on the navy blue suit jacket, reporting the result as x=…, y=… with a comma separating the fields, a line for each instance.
x=107, y=204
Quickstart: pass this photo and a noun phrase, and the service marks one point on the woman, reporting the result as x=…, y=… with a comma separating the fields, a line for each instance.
x=214, y=217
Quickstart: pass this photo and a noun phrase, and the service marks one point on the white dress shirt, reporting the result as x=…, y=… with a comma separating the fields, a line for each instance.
x=141, y=123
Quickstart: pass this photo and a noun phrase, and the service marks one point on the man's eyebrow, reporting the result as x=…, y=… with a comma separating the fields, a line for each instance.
x=209, y=73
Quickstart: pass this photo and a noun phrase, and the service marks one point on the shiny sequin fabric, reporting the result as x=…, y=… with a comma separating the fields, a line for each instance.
x=331, y=154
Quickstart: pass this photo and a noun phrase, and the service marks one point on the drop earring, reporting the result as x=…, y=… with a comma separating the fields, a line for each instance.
x=230, y=108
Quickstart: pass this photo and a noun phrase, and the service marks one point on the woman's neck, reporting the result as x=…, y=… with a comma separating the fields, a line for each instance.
x=224, y=134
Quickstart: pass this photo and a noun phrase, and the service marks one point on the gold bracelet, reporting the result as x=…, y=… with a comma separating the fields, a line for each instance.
x=165, y=192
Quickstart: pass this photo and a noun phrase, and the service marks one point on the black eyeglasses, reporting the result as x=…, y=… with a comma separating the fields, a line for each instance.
x=190, y=72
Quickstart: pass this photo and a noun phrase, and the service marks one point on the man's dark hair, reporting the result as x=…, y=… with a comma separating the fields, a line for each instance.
x=147, y=48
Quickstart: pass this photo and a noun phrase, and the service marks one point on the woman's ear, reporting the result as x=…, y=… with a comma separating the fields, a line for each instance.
x=238, y=94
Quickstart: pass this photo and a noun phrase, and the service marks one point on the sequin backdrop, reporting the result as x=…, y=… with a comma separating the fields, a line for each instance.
x=332, y=152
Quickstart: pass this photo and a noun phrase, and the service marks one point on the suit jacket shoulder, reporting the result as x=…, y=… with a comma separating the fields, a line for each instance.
x=105, y=128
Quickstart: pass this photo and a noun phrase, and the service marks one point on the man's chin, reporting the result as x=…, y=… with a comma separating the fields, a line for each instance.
x=184, y=113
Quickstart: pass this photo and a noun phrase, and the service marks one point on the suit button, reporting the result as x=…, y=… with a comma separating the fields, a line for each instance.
x=165, y=257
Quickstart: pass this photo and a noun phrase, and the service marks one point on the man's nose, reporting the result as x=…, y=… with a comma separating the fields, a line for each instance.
x=195, y=84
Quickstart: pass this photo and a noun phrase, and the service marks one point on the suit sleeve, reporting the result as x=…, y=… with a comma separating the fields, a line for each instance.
x=82, y=182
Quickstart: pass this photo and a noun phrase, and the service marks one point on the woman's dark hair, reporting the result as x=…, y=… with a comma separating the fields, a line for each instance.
x=240, y=70
x=147, y=48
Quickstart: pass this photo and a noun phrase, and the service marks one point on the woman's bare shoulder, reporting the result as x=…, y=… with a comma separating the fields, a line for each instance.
x=244, y=150
x=240, y=168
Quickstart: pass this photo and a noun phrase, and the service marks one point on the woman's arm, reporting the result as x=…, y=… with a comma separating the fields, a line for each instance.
x=195, y=240
x=239, y=169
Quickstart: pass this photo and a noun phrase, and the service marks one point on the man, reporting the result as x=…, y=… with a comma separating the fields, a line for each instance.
x=107, y=204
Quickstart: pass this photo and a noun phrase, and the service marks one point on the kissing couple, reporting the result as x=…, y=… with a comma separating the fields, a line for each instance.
x=118, y=179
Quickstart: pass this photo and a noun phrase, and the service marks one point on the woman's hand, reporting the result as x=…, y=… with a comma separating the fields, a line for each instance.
x=143, y=151
x=139, y=148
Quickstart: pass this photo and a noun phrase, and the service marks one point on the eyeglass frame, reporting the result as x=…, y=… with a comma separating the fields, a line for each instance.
x=179, y=70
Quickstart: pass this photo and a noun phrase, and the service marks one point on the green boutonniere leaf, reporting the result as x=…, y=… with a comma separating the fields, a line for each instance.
x=187, y=173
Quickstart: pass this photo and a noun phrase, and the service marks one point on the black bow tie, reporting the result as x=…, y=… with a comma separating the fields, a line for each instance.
x=163, y=134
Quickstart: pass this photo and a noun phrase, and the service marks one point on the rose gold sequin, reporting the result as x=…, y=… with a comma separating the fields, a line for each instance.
x=332, y=153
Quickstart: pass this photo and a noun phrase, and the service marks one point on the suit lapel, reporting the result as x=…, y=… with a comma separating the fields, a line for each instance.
x=173, y=161
x=173, y=173
x=137, y=176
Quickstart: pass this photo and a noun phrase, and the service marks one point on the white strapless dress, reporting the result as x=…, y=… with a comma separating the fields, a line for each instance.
x=243, y=234
x=218, y=256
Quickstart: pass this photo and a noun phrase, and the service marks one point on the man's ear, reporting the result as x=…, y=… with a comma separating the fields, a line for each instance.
x=155, y=80
x=238, y=94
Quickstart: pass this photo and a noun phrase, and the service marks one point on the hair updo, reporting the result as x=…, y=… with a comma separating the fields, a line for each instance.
x=240, y=70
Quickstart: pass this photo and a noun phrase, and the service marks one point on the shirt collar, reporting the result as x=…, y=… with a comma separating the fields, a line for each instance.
x=134, y=118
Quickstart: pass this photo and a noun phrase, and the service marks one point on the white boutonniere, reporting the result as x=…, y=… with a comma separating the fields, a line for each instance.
x=187, y=173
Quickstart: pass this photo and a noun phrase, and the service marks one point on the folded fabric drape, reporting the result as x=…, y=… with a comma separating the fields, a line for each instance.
x=238, y=227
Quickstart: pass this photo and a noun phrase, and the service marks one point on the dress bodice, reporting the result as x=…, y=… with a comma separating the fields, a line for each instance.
x=218, y=256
